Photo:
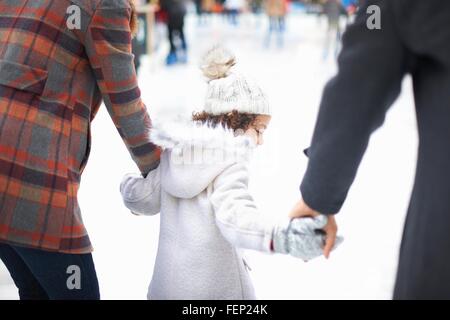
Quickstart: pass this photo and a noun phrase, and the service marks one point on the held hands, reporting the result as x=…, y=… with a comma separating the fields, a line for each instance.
x=301, y=210
x=134, y=189
x=132, y=186
x=302, y=237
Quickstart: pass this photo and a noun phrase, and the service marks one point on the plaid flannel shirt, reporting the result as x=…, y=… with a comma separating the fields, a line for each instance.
x=53, y=79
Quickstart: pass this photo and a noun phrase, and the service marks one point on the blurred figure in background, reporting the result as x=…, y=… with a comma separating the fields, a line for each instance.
x=210, y=6
x=139, y=42
x=333, y=10
x=199, y=11
x=256, y=8
x=276, y=12
x=203, y=9
x=351, y=6
x=176, y=12
x=233, y=8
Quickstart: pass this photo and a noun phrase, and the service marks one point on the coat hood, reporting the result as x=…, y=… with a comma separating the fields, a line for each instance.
x=195, y=154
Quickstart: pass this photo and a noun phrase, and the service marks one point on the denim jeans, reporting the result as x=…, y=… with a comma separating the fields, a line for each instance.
x=44, y=275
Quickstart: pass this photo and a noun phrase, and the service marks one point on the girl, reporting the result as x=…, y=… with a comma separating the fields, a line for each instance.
x=201, y=190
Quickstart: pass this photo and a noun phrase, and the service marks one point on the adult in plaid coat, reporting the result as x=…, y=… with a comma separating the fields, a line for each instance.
x=54, y=74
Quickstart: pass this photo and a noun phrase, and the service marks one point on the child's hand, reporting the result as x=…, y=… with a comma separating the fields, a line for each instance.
x=132, y=187
x=302, y=237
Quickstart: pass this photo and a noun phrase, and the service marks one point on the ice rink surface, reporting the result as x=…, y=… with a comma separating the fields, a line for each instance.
x=293, y=76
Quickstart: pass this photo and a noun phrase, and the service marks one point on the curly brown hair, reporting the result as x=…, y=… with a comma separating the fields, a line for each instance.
x=234, y=120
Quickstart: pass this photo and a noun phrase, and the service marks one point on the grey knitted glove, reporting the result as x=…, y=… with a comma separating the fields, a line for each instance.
x=301, y=237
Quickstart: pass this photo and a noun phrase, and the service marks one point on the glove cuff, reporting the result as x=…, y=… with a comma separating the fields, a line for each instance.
x=280, y=239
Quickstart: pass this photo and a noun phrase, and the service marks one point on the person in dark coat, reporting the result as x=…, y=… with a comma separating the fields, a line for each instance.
x=414, y=39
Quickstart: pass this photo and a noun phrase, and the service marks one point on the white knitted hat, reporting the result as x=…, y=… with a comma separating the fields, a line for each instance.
x=228, y=91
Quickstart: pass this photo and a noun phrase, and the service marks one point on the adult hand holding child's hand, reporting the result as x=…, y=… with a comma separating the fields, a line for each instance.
x=301, y=209
x=301, y=237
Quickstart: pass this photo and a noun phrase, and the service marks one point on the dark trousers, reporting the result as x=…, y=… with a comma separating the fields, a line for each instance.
x=44, y=275
x=175, y=28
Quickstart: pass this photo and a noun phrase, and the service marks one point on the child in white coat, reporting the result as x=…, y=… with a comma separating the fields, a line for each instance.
x=201, y=190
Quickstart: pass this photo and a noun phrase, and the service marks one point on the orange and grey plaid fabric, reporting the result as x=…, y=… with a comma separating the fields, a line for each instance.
x=52, y=82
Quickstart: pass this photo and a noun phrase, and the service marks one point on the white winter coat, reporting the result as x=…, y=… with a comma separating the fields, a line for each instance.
x=207, y=213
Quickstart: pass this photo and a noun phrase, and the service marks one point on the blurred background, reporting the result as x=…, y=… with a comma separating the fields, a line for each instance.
x=290, y=48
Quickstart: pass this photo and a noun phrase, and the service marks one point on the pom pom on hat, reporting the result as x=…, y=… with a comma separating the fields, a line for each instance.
x=217, y=63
